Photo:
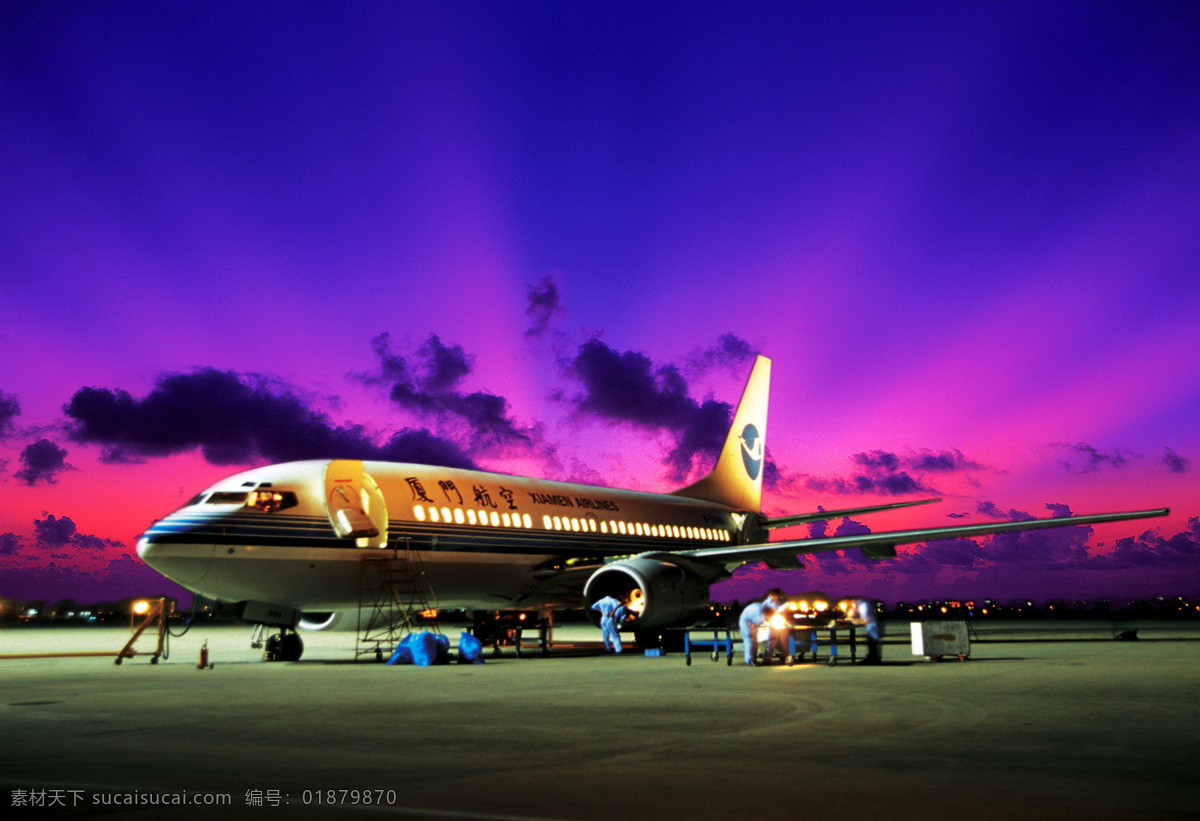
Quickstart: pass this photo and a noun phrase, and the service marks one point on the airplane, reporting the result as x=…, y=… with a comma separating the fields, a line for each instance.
x=284, y=544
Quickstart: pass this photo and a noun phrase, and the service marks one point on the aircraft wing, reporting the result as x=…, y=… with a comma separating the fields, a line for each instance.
x=822, y=515
x=781, y=555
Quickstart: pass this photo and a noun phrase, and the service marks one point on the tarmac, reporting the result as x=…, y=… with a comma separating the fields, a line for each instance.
x=1055, y=723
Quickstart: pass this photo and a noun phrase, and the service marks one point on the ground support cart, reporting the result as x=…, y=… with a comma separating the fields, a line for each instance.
x=808, y=638
x=710, y=637
x=937, y=639
x=508, y=628
x=540, y=641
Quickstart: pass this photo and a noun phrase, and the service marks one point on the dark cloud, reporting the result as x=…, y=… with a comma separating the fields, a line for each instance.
x=1030, y=549
x=816, y=485
x=429, y=386
x=1174, y=462
x=950, y=461
x=878, y=461
x=773, y=478
x=123, y=577
x=881, y=473
x=849, y=527
x=1036, y=552
x=544, y=302
x=10, y=409
x=702, y=437
x=990, y=509
x=955, y=553
x=445, y=366
x=42, y=462
x=629, y=388
x=54, y=533
x=234, y=419
x=1058, y=511
x=10, y=545
x=1036, y=565
x=423, y=447
x=730, y=352
x=1083, y=458
x=852, y=560
x=1034, y=549
x=1150, y=550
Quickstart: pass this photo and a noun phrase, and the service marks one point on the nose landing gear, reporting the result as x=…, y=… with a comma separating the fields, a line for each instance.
x=286, y=645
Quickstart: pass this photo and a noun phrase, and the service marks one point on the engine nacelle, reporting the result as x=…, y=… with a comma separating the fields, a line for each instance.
x=658, y=593
x=331, y=620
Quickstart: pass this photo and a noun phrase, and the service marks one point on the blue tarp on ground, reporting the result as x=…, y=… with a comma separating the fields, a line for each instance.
x=470, y=649
x=423, y=649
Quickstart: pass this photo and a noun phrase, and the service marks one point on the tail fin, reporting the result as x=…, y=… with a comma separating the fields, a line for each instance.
x=736, y=480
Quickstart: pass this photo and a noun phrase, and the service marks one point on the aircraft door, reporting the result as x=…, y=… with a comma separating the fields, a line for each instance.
x=355, y=504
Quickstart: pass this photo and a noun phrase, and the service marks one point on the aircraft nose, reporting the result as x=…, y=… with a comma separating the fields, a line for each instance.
x=181, y=557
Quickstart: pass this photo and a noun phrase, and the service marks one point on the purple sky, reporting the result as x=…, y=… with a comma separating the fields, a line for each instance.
x=548, y=239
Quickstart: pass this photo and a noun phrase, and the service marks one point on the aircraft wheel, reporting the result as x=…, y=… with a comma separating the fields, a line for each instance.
x=284, y=647
x=291, y=647
x=688, y=660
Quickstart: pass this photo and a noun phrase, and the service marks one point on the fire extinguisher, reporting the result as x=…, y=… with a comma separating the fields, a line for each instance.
x=203, y=657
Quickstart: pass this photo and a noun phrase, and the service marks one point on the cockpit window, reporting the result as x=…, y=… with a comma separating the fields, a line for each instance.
x=228, y=498
x=271, y=500
x=263, y=499
x=195, y=500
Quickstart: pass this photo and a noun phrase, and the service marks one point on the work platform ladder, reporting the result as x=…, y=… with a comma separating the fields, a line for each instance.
x=393, y=591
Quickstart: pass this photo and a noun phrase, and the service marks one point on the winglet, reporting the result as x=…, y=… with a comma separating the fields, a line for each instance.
x=736, y=480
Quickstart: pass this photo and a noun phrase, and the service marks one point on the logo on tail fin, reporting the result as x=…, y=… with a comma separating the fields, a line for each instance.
x=752, y=451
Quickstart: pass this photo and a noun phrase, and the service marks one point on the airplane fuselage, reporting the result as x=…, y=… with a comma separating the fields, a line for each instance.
x=296, y=533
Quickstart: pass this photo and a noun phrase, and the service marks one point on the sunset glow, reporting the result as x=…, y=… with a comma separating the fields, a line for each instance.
x=549, y=239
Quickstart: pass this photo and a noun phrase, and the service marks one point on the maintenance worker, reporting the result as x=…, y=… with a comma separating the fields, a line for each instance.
x=612, y=612
x=754, y=616
x=777, y=637
x=862, y=612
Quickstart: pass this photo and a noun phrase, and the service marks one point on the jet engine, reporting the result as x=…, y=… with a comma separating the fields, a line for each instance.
x=332, y=620
x=658, y=593
x=341, y=621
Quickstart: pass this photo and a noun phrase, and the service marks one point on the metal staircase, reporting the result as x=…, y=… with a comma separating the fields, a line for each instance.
x=393, y=590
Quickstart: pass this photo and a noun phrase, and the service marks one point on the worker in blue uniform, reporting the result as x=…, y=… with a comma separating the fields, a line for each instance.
x=862, y=612
x=612, y=612
x=754, y=616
